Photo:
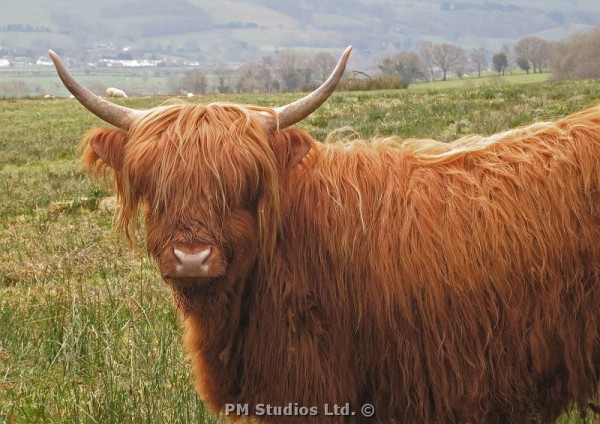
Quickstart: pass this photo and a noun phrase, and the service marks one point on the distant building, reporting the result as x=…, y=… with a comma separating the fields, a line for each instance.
x=4, y=62
x=44, y=61
x=129, y=63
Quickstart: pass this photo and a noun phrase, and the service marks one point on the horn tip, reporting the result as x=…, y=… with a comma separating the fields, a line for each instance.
x=346, y=53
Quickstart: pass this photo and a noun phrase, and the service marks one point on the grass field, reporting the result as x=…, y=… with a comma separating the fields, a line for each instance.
x=487, y=78
x=87, y=330
x=38, y=81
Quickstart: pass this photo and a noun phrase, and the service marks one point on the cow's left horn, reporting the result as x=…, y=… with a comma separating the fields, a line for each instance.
x=295, y=112
x=119, y=116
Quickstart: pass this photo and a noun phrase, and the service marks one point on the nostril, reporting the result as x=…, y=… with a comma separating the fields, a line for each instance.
x=198, y=257
x=192, y=264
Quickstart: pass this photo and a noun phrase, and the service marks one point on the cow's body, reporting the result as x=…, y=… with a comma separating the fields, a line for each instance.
x=438, y=282
x=441, y=287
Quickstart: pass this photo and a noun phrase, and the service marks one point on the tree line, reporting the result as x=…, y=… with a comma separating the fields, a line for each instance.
x=291, y=69
x=575, y=57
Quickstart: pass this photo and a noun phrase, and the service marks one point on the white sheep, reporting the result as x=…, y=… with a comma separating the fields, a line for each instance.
x=115, y=92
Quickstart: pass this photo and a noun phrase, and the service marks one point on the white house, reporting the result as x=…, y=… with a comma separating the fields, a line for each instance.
x=44, y=61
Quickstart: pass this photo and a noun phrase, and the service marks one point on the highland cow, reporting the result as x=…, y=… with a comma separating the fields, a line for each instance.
x=439, y=283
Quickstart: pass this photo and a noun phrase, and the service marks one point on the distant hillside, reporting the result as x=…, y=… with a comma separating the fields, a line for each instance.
x=219, y=31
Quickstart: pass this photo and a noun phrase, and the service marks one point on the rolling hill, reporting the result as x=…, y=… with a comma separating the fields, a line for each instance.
x=216, y=31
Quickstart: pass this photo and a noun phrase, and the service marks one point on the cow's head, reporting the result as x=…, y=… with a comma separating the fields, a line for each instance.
x=205, y=176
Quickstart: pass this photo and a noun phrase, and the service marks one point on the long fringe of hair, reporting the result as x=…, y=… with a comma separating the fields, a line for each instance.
x=180, y=154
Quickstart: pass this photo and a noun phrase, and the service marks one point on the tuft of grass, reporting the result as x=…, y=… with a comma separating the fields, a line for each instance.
x=87, y=329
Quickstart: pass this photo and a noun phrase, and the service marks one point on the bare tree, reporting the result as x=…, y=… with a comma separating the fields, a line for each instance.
x=224, y=75
x=577, y=57
x=447, y=57
x=523, y=64
x=269, y=64
x=294, y=68
x=478, y=59
x=534, y=50
x=322, y=64
x=500, y=61
x=427, y=55
x=460, y=68
x=194, y=81
x=407, y=65
x=252, y=78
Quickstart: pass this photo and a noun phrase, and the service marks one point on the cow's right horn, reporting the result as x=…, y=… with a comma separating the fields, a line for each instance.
x=119, y=116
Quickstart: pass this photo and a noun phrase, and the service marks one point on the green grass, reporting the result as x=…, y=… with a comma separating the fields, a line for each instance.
x=87, y=328
x=487, y=78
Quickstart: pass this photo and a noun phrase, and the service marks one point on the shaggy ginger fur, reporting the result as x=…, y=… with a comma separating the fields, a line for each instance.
x=439, y=282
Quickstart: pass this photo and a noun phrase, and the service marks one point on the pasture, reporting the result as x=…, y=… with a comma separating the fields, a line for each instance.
x=87, y=329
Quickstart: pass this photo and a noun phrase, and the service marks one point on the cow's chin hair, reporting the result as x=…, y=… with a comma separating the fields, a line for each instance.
x=191, y=292
x=193, y=286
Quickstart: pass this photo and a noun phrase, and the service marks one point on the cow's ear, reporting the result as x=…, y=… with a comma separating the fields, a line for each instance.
x=291, y=146
x=106, y=145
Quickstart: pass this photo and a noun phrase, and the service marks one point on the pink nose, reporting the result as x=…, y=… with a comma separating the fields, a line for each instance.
x=192, y=264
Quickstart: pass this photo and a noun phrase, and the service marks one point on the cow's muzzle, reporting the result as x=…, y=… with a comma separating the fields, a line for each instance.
x=192, y=261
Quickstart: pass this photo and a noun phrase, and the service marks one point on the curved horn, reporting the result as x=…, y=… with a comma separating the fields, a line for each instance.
x=295, y=112
x=114, y=114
